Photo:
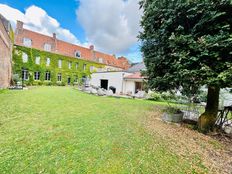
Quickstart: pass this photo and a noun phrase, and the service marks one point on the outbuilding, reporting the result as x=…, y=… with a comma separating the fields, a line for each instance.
x=124, y=82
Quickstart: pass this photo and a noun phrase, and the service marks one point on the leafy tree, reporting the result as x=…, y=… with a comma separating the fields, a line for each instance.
x=188, y=44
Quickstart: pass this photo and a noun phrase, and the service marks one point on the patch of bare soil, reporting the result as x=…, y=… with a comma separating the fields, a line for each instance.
x=191, y=145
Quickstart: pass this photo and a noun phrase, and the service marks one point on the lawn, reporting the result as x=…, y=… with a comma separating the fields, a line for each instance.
x=62, y=130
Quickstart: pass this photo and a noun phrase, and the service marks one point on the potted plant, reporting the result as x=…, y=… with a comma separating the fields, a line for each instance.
x=173, y=114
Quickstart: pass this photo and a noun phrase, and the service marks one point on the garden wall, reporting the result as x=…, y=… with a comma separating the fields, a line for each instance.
x=5, y=53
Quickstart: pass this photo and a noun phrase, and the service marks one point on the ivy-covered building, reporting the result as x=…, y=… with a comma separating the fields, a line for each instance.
x=41, y=59
x=37, y=67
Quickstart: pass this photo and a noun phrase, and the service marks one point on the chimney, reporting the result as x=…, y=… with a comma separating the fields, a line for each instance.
x=55, y=42
x=54, y=36
x=94, y=58
x=19, y=27
x=91, y=47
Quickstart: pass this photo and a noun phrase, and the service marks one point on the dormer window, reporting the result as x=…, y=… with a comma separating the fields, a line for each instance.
x=47, y=47
x=77, y=54
x=27, y=42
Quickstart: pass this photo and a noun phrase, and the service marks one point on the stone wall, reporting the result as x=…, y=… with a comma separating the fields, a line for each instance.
x=6, y=47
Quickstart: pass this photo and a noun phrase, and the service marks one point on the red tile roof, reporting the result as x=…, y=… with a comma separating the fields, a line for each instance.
x=67, y=49
x=136, y=75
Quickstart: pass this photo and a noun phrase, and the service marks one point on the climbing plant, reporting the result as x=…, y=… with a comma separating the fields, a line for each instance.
x=74, y=73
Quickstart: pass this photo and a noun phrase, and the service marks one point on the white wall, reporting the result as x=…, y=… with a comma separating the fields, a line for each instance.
x=129, y=87
x=112, y=68
x=108, y=69
x=115, y=79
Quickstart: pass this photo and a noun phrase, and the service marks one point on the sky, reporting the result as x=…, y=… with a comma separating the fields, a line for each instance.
x=112, y=26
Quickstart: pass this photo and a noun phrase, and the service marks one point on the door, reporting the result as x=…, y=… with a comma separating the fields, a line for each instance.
x=138, y=87
x=104, y=84
x=69, y=80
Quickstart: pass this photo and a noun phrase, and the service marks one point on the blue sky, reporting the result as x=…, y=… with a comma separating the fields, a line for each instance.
x=112, y=26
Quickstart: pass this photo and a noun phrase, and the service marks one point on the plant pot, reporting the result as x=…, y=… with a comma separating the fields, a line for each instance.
x=173, y=117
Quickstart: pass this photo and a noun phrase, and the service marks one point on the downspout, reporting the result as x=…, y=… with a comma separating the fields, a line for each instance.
x=122, y=81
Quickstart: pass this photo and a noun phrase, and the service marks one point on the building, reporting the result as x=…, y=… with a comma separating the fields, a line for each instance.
x=24, y=37
x=6, y=37
x=126, y=82
x=41, y=59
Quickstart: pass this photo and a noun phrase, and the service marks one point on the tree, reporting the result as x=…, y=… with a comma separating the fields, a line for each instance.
x=188, y=44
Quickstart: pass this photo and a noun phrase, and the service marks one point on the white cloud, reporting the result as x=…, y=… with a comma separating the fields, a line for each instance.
x=38, y=20
x=112, y=26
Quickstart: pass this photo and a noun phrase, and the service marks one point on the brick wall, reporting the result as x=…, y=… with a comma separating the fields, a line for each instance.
x=5, y=54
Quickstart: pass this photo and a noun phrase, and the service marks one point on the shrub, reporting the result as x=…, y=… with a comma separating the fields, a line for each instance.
x=16, y=78
x=48, y=83
x=168, y=96
x=164, y=96
x=75, y=83
x=60, y=83
x=156, y=96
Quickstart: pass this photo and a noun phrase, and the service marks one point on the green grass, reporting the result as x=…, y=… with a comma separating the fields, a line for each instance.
x=61, y=130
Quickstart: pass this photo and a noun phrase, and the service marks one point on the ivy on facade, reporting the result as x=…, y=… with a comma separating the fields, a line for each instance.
x=72, y=69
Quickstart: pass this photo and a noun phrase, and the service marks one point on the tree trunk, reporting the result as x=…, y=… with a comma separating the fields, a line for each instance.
x=208, y=118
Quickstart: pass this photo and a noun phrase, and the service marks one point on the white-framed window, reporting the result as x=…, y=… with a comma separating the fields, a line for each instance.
x=59, y=77
x=25, y=57
x=48, y=76
x=69, y=65
x=77, y=65
x=75, y=78
x=60, y=63
x=77, y=54
x=37, y=60
x=27, y=42
x=84, y=67
x=25, y=74
x=91, y=68
x=48, y=61
x=100, y=60
x=36, y=75
x=47, y=47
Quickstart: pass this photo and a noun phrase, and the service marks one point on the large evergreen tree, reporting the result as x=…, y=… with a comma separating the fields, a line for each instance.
x=188, y=44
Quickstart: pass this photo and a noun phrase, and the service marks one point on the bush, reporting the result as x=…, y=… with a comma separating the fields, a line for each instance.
x=164, y=96
x=75, y=83
x=156, y=96
x=60, y=83
x=48, y=83
x=168, y=96
x=37, y=83
x=202, y=97
x=16, y=78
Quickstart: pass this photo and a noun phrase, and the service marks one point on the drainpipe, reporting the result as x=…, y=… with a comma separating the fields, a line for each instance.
x=122, y=81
